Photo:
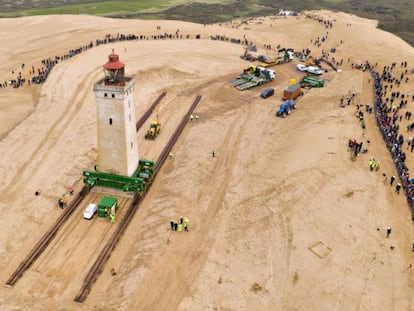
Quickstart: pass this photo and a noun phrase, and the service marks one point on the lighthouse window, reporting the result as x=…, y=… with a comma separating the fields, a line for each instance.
x=113, y=95
x=110, y=121
x=131, y=144
x=130, y=118
x=105, y=95
x=129, y=104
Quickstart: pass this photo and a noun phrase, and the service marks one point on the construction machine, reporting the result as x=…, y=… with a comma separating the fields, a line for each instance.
x=250, y=69
x=285, y=108
x=154, y=130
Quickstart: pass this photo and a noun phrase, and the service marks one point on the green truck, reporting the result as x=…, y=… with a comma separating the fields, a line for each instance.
x=308, y=81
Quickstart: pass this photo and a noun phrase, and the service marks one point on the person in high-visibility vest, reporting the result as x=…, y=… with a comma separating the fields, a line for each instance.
x=112, y=217
x=186, y=222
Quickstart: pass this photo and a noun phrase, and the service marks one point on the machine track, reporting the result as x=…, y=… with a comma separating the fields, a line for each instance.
x=43, y=243
x=149, y=111
x=39, y=248
x=103, y=257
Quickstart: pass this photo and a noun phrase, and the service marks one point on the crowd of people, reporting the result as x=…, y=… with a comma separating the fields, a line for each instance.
x=388, y=117
x=181, y=225
x=39, y=75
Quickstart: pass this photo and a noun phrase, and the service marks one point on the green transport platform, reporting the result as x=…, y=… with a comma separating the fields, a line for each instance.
x=135, y=183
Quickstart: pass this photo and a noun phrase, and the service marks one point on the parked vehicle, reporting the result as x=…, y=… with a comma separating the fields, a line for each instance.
x=301, y=67
x=314, y=70
x=90, y=211
x=267, y=93
x=309, y=82
x=285, y=108
x=292, y=91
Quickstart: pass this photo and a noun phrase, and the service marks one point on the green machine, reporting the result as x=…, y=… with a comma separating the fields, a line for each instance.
x=125, y=183
x=107, y=205
x=145, y=169
x=312, y=81
x=136, y=183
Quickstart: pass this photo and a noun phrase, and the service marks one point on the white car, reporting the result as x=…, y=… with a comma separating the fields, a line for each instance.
x=89, y=211
x=314, y=70
x=301, y=67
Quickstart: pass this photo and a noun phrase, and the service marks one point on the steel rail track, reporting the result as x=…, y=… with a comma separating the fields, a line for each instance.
x=103, y=257
x=149, y=111
x=43, y=243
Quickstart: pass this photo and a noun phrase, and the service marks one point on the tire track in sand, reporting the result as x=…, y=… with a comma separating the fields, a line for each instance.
x=178, y=278
x=39, y=155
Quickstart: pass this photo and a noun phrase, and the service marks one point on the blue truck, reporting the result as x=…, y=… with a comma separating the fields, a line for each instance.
x=285, y=108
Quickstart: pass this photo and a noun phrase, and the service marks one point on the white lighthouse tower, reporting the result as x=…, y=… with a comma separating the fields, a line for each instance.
x=117, y=138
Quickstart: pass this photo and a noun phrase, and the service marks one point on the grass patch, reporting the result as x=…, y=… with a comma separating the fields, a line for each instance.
x=394, y=16
x=349, y=193
x=295, y=278
x=90, y=7
x=256, y=288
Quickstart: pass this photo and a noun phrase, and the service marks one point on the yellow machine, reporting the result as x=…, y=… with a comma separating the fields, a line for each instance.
x=250, y=69
x=154, y=130
x=310, y=62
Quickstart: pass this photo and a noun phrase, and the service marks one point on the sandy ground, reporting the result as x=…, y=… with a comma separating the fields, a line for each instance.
x=280, y=219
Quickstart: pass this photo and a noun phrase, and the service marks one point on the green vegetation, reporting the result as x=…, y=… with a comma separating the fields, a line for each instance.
x=393, y=15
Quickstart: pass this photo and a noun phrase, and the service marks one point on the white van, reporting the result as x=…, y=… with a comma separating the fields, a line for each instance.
x=90, y=210
x=314, y=70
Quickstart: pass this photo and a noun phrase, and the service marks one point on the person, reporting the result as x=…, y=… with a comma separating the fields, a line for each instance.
x=70, y=189
x=62, y=201
x=180, y=227
x=170, y=155
x=412, y=248
x=371, y=164
x=113, y=272
x=112, y=217
x=37, y=192
x=388, y=231
x=186, y=222
x=175, y=226
x=172, y=224
x=392, y=180
x=397, y=188
x=377, y=166
x=196, y=117
x=95, y=167
x=213, y=153
x=181, y=220
x=191, y=118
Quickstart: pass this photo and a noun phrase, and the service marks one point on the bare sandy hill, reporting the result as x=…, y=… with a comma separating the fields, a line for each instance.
x=280, y=219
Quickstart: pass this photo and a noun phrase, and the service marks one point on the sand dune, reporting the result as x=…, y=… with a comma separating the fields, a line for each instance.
x=281, y=219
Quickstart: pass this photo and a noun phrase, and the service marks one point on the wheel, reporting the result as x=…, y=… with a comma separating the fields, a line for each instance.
x=294, y=106
x=288, y=112
x=284, y=115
